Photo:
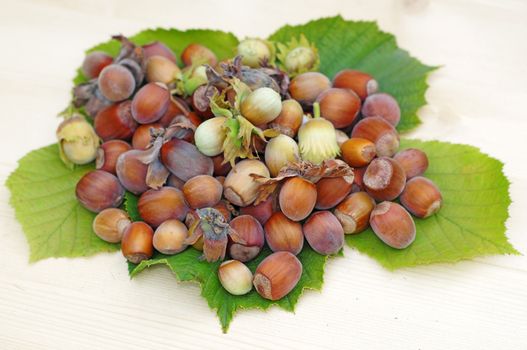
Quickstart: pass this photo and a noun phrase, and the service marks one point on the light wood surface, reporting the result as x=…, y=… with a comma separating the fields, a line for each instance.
x=479, y=97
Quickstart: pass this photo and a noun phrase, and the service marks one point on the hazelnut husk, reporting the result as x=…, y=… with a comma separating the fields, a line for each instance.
x=200, y=100
x=143, y=135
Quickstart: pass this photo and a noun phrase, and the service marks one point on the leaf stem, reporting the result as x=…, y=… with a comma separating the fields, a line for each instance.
x=316, y=110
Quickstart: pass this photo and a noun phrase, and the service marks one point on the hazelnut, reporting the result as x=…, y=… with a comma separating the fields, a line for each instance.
x=413, y=161
x=170, y=236
x=235, y=277
x=136, y=243
x=109, y=224
x=332, y=190
x=354, y=212
x=324, y=233
x=251, y=231
x=393, y=225
x=421, y=197
x=384, y=179
x=297, y=198
x=277, y=275
x=202, y=191
x=284, y=234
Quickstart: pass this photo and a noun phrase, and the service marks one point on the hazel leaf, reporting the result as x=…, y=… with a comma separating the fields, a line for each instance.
x=43, y=196
x=362, y=45
x=186, y=266
x=471, y=222
x=130, y=206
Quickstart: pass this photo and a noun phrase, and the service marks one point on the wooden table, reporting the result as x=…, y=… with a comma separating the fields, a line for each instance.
x=479, y=97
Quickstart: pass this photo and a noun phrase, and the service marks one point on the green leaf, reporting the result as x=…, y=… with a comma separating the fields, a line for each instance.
x=471, y=222
x=130, y=206
x=363, y=46
x=43, y=195
x=221, y=43
x=187, y=267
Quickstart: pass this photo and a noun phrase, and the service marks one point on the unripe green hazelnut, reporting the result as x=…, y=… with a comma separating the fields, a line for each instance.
x=78, y=142
x=279, y=151
x=254, y=51
x=300, y=59
x=298, y=56
x=261, y=106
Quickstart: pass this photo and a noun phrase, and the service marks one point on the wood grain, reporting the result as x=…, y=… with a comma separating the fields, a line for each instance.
x=478, y=97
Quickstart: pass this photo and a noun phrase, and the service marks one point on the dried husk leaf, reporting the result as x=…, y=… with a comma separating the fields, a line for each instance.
x=307, y=170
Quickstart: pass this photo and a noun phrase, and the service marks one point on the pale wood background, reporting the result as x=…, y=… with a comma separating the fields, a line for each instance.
x=479, y=97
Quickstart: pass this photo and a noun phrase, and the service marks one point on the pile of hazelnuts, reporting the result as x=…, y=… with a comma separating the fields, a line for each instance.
x=330, y=167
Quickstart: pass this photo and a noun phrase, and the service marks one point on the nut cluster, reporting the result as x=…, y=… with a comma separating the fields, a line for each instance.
x=231, y=156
